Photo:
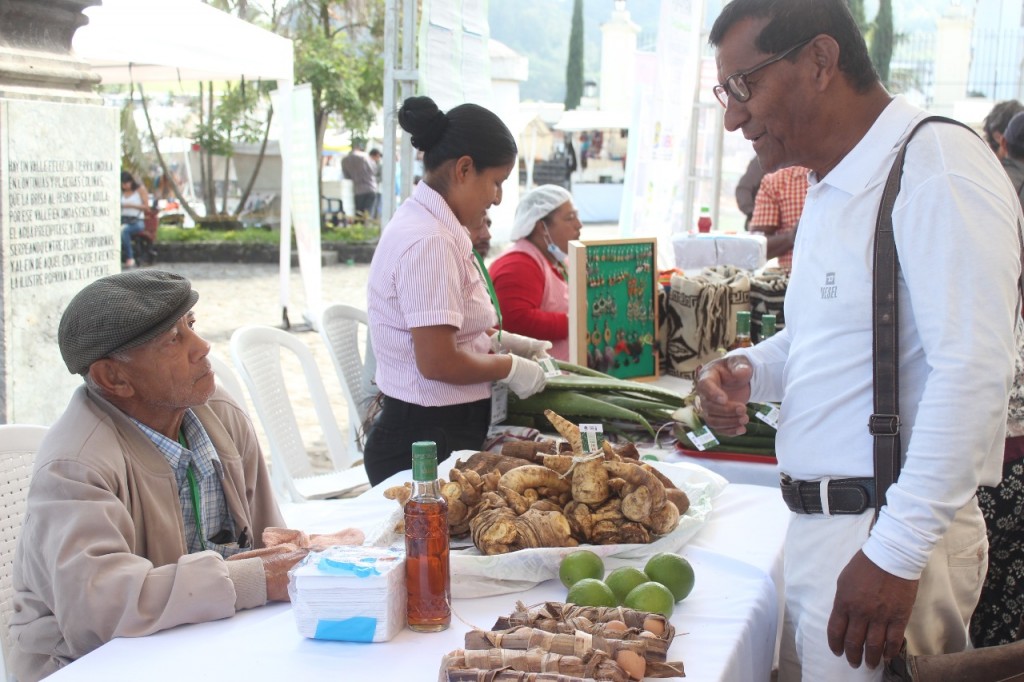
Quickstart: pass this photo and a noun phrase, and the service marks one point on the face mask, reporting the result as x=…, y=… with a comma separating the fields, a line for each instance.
x=556, y=253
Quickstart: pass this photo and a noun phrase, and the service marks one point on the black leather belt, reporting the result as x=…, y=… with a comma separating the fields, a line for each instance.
x=845, y=495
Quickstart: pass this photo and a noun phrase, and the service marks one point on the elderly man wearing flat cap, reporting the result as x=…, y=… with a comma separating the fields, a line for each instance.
x=150, y=479
x=530, y=278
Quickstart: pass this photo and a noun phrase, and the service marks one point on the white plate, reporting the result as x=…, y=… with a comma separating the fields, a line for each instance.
x=477, y=575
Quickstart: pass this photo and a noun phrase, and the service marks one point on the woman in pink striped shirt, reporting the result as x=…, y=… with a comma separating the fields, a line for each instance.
x=432, y=317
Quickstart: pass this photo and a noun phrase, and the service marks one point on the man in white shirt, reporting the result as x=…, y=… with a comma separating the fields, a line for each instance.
x=796, y=79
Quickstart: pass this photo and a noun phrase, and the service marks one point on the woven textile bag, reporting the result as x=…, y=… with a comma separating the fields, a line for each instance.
x=767, y=295
x=701, y=315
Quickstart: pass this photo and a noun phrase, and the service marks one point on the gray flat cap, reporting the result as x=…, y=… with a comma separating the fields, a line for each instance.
x=119, y=312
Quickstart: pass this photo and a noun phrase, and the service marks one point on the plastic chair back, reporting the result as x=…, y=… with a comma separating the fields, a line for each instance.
x=227, y=378
x=256, y=351
x=340, y=328
x=18, y=446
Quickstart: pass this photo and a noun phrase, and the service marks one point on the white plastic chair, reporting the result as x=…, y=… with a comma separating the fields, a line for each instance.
x=340, y=329
x=18, y=446
x=227, y=378
x=256, y=351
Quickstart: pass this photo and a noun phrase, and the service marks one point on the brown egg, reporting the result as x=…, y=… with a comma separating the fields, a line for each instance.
x=655, y=625
x=633, y=663
x=615, y=627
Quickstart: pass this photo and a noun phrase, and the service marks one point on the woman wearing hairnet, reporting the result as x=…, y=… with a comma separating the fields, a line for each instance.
x=530, y=278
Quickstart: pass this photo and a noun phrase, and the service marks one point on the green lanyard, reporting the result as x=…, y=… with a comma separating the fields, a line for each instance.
x=195, y=492
x=562, y=271
x=490, y=289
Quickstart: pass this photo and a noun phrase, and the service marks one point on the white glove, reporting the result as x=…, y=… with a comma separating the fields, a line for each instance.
x=526, y=377
x=523, y=346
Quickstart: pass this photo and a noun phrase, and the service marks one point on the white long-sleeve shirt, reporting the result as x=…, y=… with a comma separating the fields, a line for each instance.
x=955, y=225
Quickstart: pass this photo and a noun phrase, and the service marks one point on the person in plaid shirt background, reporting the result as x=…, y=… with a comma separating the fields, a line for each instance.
x=777, y=209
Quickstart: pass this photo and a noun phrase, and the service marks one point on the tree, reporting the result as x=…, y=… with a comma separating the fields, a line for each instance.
x=574, y=67
x=882, y=40
x=339, y=52
x=232, y=119
x=857, y=10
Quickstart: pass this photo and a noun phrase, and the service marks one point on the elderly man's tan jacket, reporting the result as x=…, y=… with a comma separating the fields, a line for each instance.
x=102, y=552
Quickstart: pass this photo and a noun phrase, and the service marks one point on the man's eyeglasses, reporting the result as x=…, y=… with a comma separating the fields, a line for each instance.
x=736, y=86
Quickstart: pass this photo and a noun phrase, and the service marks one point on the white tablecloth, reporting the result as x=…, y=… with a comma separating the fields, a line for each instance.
x=725, y=630
x=696, y=251
x=735, y=471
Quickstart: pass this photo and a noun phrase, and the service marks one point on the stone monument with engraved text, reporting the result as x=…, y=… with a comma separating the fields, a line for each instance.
x=59, y=198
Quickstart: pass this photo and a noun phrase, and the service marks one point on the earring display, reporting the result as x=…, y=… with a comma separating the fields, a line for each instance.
x=612, y=310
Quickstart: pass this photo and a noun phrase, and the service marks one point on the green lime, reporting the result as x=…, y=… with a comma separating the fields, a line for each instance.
x=651, y=597
x=591, y=592
x=624, y=579
x=672, y=571
x=578, y=565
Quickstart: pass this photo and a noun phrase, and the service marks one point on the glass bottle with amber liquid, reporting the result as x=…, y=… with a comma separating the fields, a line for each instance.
x=742, y=330
x=427, y=575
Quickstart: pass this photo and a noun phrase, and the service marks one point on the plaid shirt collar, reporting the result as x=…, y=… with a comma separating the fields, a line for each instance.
x=200, y=453
x=202, y=456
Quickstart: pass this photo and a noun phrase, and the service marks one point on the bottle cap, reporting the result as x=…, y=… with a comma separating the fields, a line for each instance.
x=767, y=325
x=424, y=460
x=743, y=322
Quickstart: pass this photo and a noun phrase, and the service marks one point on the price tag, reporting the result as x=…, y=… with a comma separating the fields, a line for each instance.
x=499, y=403
x=592, y=435
x=549, y=367
x=702, y=438
x=769, y=414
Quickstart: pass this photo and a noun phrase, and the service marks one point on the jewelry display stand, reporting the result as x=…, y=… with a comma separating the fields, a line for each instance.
x=613, y=318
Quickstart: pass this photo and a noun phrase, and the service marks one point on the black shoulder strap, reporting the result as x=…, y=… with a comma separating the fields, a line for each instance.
x=884, y=424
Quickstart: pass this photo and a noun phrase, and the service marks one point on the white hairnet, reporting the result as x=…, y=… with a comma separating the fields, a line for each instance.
x=534, y=205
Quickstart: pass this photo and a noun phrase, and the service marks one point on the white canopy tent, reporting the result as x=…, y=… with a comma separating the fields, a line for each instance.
x=157, y=40
x=186, y=40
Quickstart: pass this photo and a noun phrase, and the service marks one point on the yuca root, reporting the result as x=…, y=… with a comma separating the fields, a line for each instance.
x=567, y=430
x=607, y=497
x=530, y=450
x=647, y=503
x=499, y=531
x=595, y=665
x=399, y=493
x=577, y=643
x=574, y=633
x=533, y=476
x=547, y=615
x=672, y=493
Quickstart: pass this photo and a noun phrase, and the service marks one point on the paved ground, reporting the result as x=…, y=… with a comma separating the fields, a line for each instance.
x=234, y=295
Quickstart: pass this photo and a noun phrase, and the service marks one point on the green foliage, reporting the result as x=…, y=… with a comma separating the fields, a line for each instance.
x=357, y=232
x=882, y=40
x=234, y=119
x=258, y=235
x=574, y=66
x=133, y=159
x=857, y=10
x=339, y=52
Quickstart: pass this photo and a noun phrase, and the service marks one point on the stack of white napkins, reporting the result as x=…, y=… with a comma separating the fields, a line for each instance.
x=351, y=594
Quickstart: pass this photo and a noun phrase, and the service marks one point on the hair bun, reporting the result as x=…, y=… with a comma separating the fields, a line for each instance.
x=420, y=117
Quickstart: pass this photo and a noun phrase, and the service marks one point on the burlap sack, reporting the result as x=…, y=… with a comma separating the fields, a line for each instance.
x=701, y=315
